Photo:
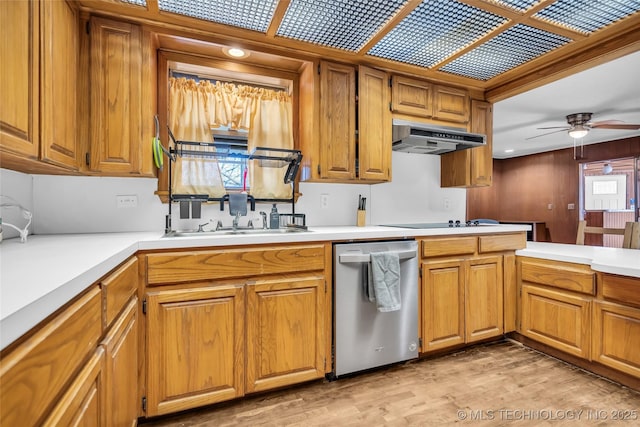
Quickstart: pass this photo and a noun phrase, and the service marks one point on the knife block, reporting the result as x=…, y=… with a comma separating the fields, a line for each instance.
x=361, y=219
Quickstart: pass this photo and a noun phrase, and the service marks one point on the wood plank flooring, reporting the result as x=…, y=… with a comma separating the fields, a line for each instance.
x=495, y=384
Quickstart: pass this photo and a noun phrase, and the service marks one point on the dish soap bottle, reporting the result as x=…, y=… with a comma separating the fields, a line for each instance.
x=274, y=218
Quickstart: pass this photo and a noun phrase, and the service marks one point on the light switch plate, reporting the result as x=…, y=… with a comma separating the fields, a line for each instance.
x=127, y=201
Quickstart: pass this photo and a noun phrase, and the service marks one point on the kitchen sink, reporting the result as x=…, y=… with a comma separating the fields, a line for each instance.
x=240, y=231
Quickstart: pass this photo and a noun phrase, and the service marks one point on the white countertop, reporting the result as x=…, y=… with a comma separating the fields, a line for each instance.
x=625, y=262
x=40, y=276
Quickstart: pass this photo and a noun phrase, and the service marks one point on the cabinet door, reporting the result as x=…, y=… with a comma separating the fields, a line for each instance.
x=442, y=304
x=59, y=96
x=19, y=77
x=484, y=299
x=285, y=332
x=482, y=157
x=121, y=349
x=195, y=350
x=83, y=404
x=558, y=319
x=472, y=167
x=337, y=121
x=374, y=128
x=115, y=77
x=450, y=104
x=616, y=335
x=413, y=97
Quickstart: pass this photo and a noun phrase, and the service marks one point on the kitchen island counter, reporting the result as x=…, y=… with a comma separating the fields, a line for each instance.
x=43, y=274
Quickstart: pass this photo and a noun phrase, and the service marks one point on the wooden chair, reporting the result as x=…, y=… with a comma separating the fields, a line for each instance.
x=631, y=233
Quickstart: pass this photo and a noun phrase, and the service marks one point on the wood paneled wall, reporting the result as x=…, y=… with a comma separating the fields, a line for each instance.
x=524, y=187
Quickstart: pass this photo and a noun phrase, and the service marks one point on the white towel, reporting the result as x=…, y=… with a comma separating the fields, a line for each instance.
x=384, y=281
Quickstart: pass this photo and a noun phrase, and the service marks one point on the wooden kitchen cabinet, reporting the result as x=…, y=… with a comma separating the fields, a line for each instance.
x=616, y=331
x=195, y=347
x=450, y=104
x=39, y=108
x=19, y=79
x=121, y=368
x=337, y=121
x=472, y=167
x=464, y=282
x=343, y=156
x=84, y=403
x=285, y=331
x=115, y=77
x=412, y=97
x=443, y=285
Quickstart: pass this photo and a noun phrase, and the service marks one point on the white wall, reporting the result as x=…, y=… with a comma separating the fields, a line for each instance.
x=66, y=204
x=19, y=187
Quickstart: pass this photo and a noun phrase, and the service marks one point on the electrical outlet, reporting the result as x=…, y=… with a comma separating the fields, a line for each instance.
x=571, y=206
x=324, y=201
x=550, y=206
x=446, y=203
x=130, y=201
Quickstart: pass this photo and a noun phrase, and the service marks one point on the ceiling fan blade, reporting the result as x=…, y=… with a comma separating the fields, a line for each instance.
x=548, y=133
x=621, y=126
x=557, y=127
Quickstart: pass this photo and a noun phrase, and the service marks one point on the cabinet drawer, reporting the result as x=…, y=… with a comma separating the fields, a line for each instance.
x=620, y=288
x=502, y=242
x=34, y=373
x=178, y=267
x=572, y=277
x=449, y=246
x=118, y=288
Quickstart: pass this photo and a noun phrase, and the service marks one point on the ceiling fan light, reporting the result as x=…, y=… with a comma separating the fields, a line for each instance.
x=578, y=131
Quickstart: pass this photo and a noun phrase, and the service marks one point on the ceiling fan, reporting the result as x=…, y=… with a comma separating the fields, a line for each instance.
x=580, y=124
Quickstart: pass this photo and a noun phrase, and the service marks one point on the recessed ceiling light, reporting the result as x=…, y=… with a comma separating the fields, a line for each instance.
x=510, y=150
x=235, y=52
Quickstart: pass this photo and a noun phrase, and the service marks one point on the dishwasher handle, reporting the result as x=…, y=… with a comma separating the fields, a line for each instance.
x=361, y=258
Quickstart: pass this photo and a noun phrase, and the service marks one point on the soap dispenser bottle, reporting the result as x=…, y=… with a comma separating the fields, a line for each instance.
x=274, y=218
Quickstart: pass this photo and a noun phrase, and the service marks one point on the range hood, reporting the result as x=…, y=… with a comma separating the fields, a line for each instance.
x=411, y=137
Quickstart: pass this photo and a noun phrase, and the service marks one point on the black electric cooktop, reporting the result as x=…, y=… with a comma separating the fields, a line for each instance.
x=450, y=224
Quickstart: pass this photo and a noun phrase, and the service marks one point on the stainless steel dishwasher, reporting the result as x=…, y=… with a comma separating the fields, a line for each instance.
x=365, y=338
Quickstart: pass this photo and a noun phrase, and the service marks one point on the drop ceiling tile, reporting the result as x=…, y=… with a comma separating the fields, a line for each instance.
x=250, y=14
x=513, y=47
x=517, y=5
x=434, y=31
x=136, y=2
x=342, y=24
x=588, y=16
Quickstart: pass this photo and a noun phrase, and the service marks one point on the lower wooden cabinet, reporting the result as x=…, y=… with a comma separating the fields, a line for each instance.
x=121, y=365
x=616, y=337
x=84, y=402
x=557, y=318
x=285, y=332
x=195, y=347
x=462, y=301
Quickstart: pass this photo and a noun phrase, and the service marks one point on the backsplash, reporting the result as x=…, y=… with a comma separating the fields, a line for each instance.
x=71, y=204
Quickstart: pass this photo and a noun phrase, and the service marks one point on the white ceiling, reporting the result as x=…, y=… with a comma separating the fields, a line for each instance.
x=610, y=91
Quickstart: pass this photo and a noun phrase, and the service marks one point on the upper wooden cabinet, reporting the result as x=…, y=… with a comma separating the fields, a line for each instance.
x=38, y=110
x=411, y=96
x=450, y=104
x=472, y=167
x=115, y=84
x=344, y=153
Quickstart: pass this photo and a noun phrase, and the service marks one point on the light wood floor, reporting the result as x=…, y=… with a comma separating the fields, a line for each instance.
x=496, y=384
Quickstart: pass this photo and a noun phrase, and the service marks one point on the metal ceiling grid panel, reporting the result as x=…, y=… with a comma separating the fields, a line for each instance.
x=250, y=14
x=513, y=47
x=136, y=2
x=588, y=16
x=517, y=5
x=435, y=30
x=342, y=24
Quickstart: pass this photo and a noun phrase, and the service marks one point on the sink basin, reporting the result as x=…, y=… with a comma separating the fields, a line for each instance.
x=254, y=231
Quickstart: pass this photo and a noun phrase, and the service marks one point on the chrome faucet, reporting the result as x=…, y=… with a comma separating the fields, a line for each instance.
x=263, y=216
x=218, y=225
x=236, y=219
x=201, y=227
